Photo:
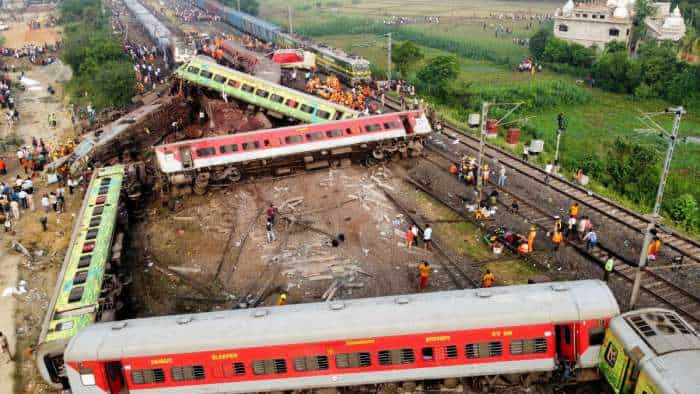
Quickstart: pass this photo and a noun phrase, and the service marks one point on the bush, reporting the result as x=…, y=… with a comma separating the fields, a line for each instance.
x=684, y=211
x=537, y=95
x=643, y=91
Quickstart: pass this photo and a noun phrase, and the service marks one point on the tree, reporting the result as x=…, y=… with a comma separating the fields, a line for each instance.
x=616, y=72
x=642, y=9
x=539, y=41
x=438, y=74
x=658, y=63
x=615, y=46
x=405, y=56
x=248, y=6
x=632, y=170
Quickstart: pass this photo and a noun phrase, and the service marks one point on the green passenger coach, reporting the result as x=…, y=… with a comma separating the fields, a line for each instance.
x=651, y=351
x=276, y=99
x=78, y=299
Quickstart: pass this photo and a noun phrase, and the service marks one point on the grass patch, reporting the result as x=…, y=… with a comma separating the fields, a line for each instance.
x=512, y=272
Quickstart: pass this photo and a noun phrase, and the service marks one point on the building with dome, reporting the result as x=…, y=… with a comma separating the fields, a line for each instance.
x=599, y=22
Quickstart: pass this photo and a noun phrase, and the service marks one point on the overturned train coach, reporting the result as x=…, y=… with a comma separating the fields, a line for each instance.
x=522, y=333
x=279, y=151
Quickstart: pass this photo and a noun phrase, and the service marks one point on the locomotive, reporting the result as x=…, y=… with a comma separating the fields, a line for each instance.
x=351, y=69
x=230, y=157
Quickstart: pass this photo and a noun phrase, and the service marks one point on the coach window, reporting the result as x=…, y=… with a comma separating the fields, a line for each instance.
x=334, y=133
x=323, y=114
x=148, y=376
x=190, y=372
x=338, y=115
x=248, y=88
x=87, y=377
x=203, y=152
x=80, y=277
x=233, y=83
x=238, y=369
x=294, y=139
x=306, y=108
x=262, y=93
x=483, y=349
x=314, y=136
x=268, y=367
x=396, y=356
x=310, y=363
x=427, y=354
x=251, y=145
x=206, y=74
x=451, y=351
x=193, y=70
x=392, y=125
x=76, y=294
x=528, y=346
x=353, y=360
x=219, y=79
x=276, y=98
x=228, y=148
x=373, y=127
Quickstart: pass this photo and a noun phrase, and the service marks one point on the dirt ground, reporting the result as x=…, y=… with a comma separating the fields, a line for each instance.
x=19, y=34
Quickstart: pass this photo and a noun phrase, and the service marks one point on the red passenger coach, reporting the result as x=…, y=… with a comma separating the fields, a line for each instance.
x=529, y=330
x=314, y=146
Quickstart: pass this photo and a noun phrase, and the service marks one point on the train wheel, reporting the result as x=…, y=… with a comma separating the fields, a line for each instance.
x=370, y=161
x=235, y=175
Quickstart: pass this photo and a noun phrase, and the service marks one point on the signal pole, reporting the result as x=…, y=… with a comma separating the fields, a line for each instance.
x=289, y=16
x=388, y=57
x=482, y=144
x=678, y=113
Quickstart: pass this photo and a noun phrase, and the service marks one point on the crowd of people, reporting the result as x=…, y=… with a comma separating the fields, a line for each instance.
x=37, y=54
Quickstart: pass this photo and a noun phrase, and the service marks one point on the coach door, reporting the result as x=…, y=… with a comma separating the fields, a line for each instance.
x=116, y=378
x=186, y=156
x=408, y=123
x=566, y=341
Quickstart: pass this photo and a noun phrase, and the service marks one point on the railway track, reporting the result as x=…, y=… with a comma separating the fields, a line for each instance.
x=660, y=288
x=681, y=244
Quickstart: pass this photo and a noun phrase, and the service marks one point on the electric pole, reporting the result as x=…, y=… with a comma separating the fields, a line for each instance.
x=239, y=5
x=678, y=114
x=388, y=57
x=482, y=143
x=561, y=127
x=289, y=15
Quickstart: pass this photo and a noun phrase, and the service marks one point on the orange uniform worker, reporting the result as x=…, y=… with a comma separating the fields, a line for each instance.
x=531, y=238
x=556, y=239
x=3, y=166
x=523, y=248
x=654, y=249
x=453, y=169
x=424, y=273
x=488, y=279
x=409, y=238
x=282, y=299
x=574, y=210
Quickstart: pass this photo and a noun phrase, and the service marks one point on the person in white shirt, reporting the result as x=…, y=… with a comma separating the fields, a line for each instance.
x=428, y=237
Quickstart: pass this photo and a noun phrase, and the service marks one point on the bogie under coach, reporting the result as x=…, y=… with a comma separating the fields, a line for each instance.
x=528, y=332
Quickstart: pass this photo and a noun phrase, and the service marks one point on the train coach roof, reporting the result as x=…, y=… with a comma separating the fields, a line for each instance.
x=360, y=318
x=667, y=347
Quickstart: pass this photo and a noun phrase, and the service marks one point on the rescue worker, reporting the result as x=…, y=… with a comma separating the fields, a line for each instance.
x=409, y=238
x=453, y=169
x=488, y=279
x=557, y=224
x=609, y=266
x=424, y=273
x=282, y=299
x=556, y=239
x=531, y=238
x=523, y=247
x=654, y=249
x=485, y=174
x=574, y=210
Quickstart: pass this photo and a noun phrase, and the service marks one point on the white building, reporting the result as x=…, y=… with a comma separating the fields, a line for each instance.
x=598, y=22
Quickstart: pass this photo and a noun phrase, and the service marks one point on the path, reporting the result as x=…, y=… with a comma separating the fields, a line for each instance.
x=34, y=105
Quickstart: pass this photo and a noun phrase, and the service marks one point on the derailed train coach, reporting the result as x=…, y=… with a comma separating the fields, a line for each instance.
x=523, y=335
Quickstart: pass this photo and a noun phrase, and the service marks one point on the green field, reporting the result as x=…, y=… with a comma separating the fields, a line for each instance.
x=592, y=126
